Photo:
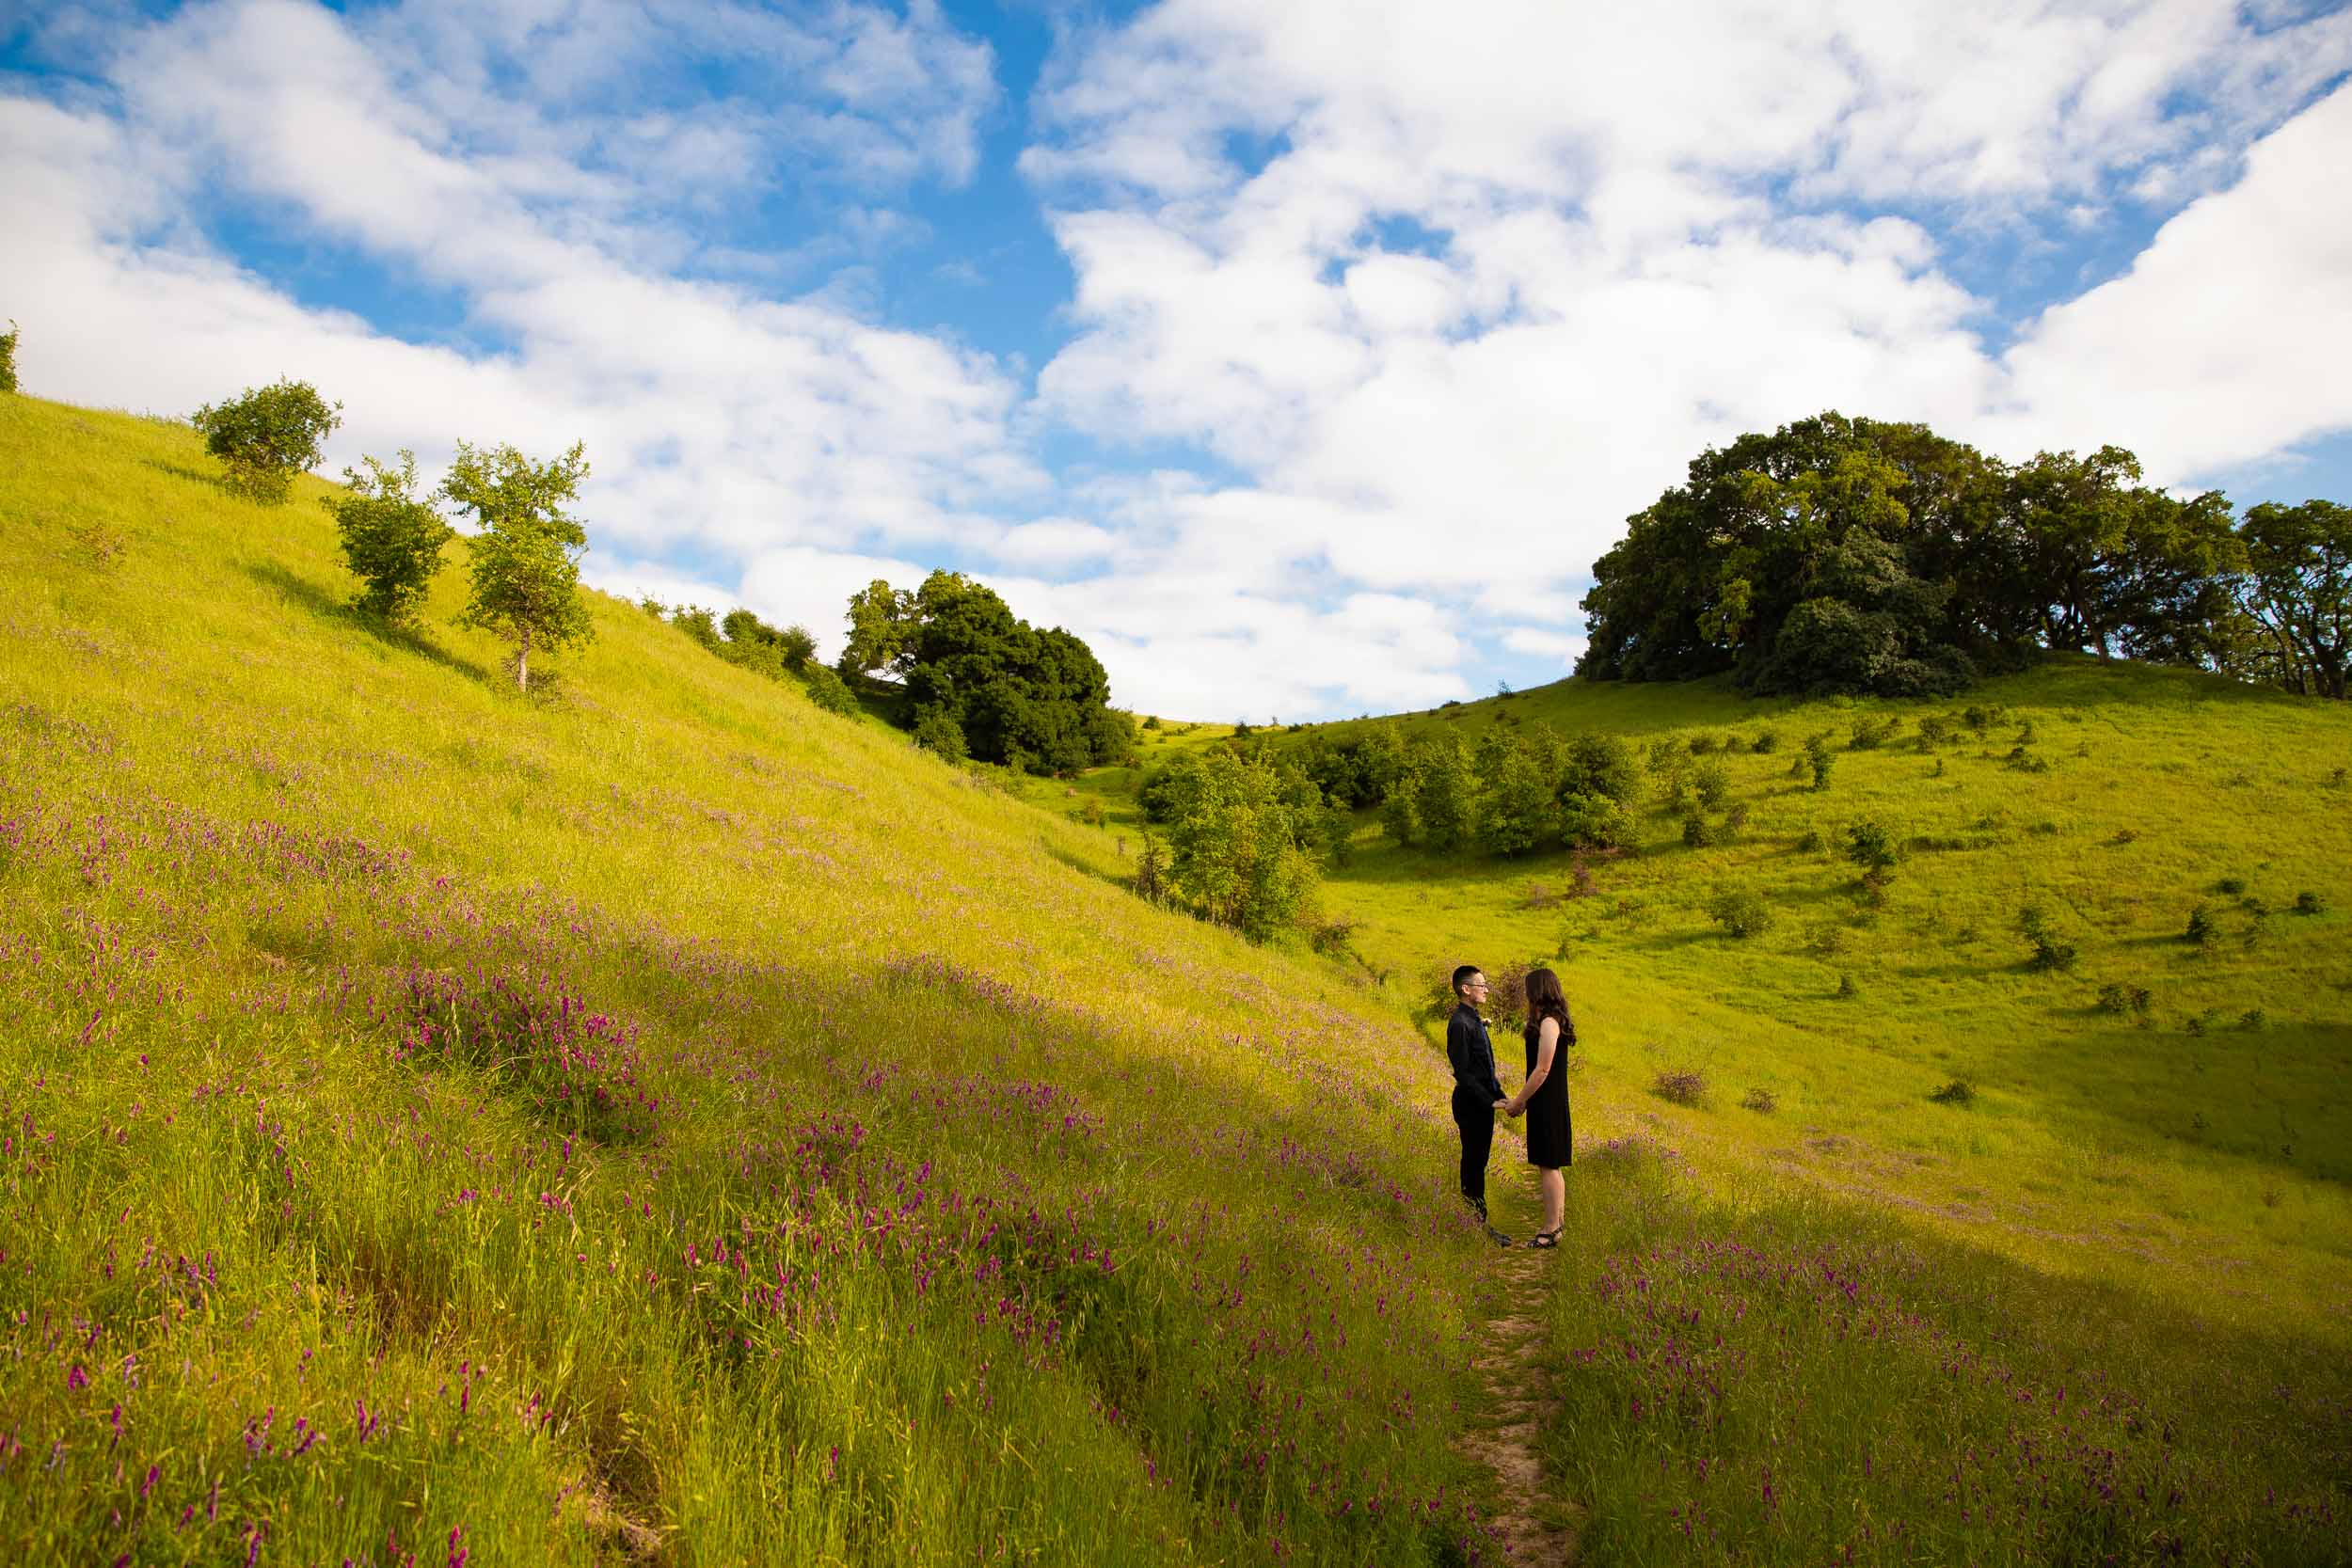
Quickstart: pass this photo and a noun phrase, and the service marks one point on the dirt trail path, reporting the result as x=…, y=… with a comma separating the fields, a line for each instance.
x=1535, y=1522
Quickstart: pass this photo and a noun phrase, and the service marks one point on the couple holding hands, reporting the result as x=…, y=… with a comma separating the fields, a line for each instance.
x=1543, y=1096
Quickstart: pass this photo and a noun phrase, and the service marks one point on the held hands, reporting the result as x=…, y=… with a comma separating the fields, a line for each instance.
x=1508, y=1107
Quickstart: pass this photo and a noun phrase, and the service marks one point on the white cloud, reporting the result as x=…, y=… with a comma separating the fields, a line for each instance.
x=1456, y=297
x=2227, y=339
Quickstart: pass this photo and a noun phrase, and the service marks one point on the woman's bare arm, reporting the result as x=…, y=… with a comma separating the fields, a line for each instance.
x=1547, y=1045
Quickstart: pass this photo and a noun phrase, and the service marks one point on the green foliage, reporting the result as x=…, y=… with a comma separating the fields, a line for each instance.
x=1819, y=760
x=8, y=358
x=1868, y=735
x=1603, y=766
x=1766, y=742
x=1151, y=722
x=525, y=563
x=700, y=627
x=936, y=731
x=392, y=536
x=2118, y=998
x=1360, y=769
x=267, y=435
x=1034, y=701
x=1238, y=844
x=1594, y=822
x=827, y=690
x=2308, y=902
x=2050, y=954
x=1444, y=794
x=1696, y=834
x=1740, y=913
x=1959, y=1091
x=2202, y=930
x=1871, y=846
x=2298, y=597
x=1712, y=783
x=1761, y=1101
x=1860, y=556
x=1517, y=809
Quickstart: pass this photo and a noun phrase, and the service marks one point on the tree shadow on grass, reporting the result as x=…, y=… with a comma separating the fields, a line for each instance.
x=1125, y=883
x=195, y=476
x=310, y=596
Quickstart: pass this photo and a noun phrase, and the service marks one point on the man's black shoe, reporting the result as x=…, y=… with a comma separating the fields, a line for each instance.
x=1497, y=1237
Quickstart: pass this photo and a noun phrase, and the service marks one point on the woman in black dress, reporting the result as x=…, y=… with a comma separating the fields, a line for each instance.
x=1544, y=1096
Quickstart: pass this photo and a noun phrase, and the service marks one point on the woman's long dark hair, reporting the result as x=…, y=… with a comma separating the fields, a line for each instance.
x=1545, y=999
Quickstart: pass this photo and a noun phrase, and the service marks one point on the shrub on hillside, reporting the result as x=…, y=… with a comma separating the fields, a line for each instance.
x=1444, y=794
x=1594, y=822
x=1238, y=842
x=1696, y=834
x=2202, y=930
x=392, y=536
x=1819, y=760
x=2230, y=887
x=8, y=358
x=1811, y=842
x=1600, y=765
x=1766, y=742
x=2309, y=903
x=827, y=690
x=1682, y=1085
x=1868, y=735
x=1741, y=913
x=1869, y=846
x=1517, y=809
x=1934, y=730
x=1712, y=783
x=2050, y=954
x=1761, y=1101
x=1958, y=1092
x=2117, y=998
x=937, y=732
x=700, y=627
x=267, y=435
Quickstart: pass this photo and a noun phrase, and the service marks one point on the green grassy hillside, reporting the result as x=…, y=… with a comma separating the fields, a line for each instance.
x=2199, y=1141
x=660, y=1122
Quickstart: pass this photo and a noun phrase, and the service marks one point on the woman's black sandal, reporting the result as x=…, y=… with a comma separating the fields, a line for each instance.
x=1544, y=1239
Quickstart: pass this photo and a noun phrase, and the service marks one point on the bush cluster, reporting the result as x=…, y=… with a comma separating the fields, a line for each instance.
x=267, y=435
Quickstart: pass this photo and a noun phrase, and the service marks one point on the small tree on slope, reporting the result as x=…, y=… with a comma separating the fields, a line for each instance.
x=526, y=560
x=268, y=434
x=392, y=537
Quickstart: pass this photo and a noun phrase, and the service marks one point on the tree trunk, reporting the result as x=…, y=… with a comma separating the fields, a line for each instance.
x=522, y=664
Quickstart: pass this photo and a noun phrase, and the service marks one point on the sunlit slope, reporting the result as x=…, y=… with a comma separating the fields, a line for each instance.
x=2198, y=1139
x=659, y=1118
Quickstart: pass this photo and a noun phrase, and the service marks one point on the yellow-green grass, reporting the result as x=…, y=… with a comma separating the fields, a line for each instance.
x=2188, y=1149
x=663, y=1121
x=657, y=1117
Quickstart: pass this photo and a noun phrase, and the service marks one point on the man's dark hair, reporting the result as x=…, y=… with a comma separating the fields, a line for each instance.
x=1462, y=976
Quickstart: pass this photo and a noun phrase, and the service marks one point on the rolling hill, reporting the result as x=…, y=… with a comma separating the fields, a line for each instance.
x=658, y=1120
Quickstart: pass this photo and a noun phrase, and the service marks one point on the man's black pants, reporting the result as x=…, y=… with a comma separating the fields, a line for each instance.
x=1475, y=1114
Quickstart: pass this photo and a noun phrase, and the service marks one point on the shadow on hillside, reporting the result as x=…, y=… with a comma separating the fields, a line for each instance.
x=310, y=596
x=195, y=476
x=1122, y=882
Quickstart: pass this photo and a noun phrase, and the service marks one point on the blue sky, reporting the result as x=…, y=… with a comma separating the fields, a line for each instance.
x=1302, y=359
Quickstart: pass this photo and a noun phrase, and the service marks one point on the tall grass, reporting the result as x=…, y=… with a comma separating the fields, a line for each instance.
x=661, y=1120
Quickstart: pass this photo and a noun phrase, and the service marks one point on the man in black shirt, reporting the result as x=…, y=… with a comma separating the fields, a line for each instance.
x=1477, y=1091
